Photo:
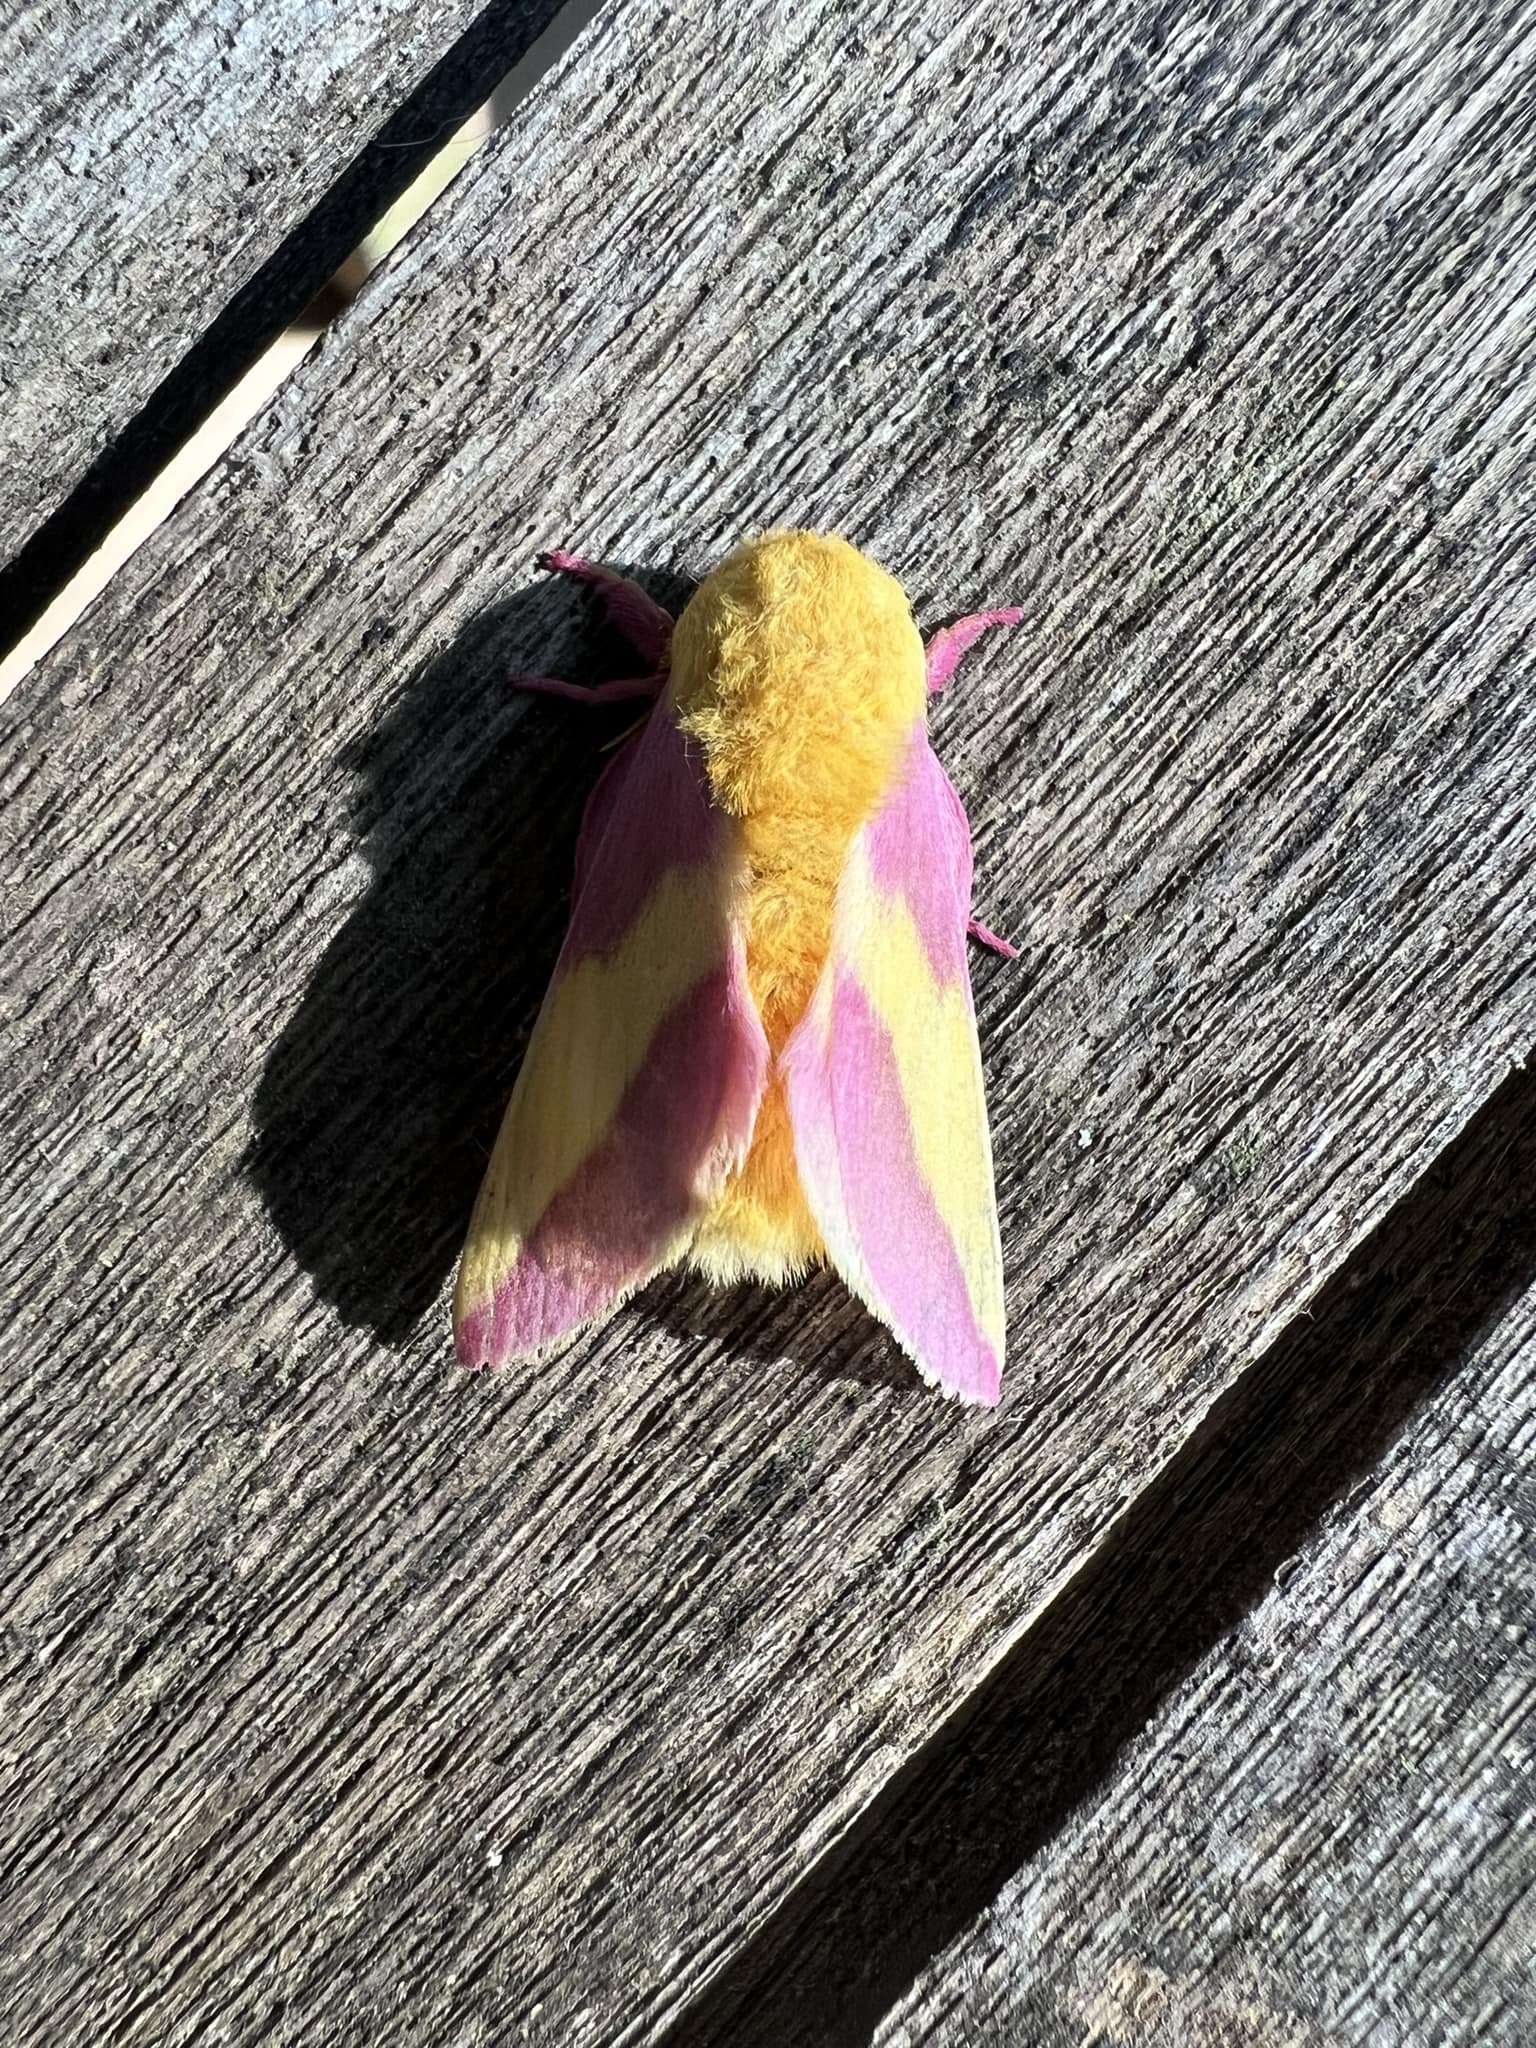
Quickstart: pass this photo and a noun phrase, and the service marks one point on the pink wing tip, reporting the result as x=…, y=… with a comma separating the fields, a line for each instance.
x=980, y=1381
x=472, y=1339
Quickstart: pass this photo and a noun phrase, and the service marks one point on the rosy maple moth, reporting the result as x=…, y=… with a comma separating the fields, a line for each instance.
x=758, y=1052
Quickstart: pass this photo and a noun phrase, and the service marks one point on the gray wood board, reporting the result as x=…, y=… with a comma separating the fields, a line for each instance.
x=358, y=1699
x=1327, y=1836
x=1245, y=1783
x=154, y=156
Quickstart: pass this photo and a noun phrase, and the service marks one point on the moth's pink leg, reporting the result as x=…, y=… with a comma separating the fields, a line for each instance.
x=979, y=932
x=599, y=693
x=947, y=645
x=641, y=620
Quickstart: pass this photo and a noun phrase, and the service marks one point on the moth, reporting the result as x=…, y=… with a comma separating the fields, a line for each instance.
x=758, y=1052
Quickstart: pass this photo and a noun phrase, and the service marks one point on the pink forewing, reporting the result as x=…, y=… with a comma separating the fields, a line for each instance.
x=919, y=848
x=686, y=1113
x=853, y=1142
x=601, y=1234
x=649, y=810
x=855, y=1147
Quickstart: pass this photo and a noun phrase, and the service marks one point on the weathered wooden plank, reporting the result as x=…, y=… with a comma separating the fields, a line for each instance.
x=154, y=156
x=367, y=1700
x=1327, y=1834
x=1152, y=1759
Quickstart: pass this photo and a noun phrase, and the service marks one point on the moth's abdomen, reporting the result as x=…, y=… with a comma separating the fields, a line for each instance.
x=799, y=671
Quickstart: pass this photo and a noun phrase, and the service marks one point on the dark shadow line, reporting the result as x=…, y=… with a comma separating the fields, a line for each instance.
x=1192, y=1557
x=287, y=282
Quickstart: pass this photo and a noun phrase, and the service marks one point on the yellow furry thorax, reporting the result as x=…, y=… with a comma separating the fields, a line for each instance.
x=798, y=669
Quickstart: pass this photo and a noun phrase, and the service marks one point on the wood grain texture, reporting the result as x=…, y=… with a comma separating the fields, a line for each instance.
x=1326, y=1837
x=153, y=157
x=1084, y=1733
x=355, y=1699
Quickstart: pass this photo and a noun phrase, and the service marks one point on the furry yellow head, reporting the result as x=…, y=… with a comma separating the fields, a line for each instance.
x=799, y=670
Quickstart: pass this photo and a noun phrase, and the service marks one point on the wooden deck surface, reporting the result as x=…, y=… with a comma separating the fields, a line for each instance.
x=356, y=1699
x=179, y=178
x=1327, y=1835
x=1263, y=1775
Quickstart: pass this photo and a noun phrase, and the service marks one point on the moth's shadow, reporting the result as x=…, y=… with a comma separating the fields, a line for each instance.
x=379, y=1102
x=815, y=1321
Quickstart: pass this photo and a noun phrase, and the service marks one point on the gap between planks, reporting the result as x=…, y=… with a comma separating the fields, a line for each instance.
x=1211, y=1537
